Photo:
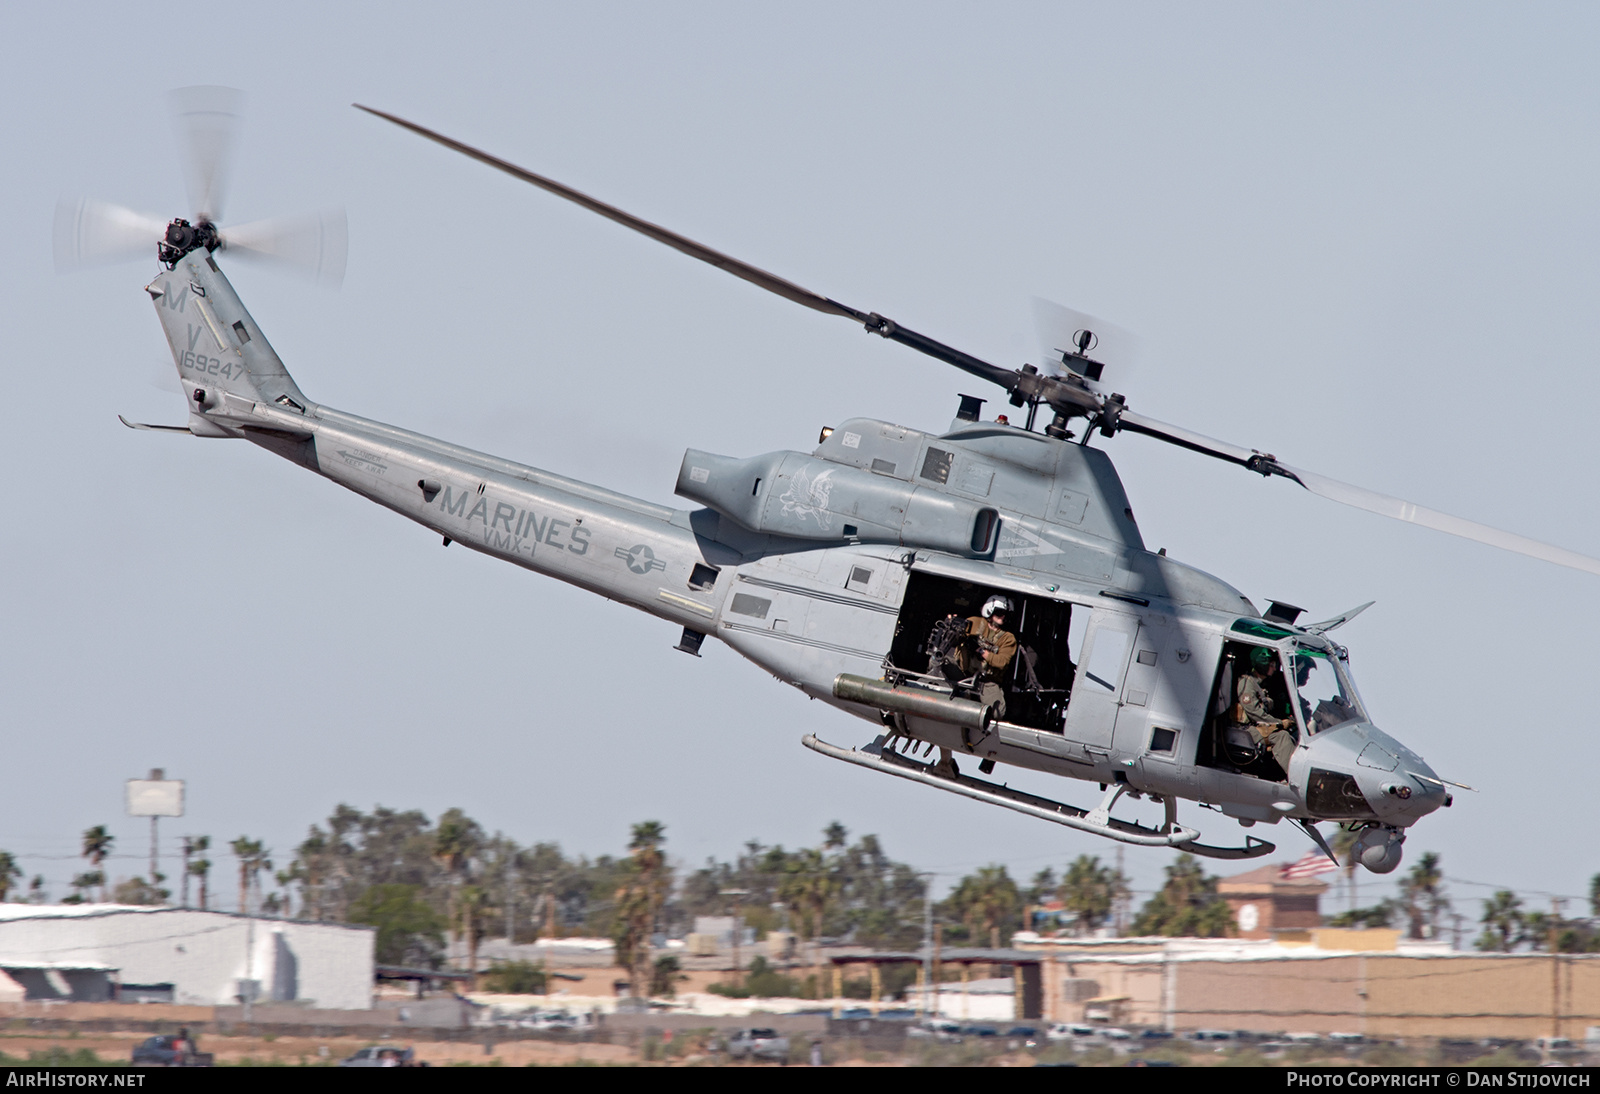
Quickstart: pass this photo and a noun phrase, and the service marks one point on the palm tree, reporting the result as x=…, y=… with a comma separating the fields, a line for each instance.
x=86, y=881
x=286, y=878
x=1343, y=847
x=1090, y=891
x=97, y=843
x=252, y=856
x=472, y=902
x=1503, y=922
x=986, y=900
x=1187, y=905
x=192, y=846
x=1421, y=892
x=809, y=885
x=201, y=868
x=456, y=842
x=638, y=901
x=835, y=837
x=10, y=872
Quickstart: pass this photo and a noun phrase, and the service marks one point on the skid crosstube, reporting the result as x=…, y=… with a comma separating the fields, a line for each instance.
x=876, y=757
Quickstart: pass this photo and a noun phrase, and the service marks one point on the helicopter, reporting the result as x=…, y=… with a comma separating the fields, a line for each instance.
x=857, y=572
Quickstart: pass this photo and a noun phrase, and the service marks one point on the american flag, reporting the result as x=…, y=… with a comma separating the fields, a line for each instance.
x=1310, y=865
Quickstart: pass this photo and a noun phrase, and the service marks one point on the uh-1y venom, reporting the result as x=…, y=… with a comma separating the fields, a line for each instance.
x=850, y=571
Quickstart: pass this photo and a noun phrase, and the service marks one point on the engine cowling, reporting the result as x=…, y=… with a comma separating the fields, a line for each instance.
x=802, y=497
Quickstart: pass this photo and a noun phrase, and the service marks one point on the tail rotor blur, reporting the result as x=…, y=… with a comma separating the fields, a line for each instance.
x=206, y=122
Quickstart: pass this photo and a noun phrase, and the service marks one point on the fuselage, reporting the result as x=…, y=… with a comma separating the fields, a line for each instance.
x=828, y=563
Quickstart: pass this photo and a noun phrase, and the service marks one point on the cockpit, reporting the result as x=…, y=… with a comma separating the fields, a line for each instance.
x=1308, y=685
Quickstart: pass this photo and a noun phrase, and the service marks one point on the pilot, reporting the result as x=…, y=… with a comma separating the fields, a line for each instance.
x=988, y=651
x=1257, y=708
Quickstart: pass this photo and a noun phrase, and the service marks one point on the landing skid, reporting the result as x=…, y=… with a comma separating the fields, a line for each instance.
x=876, y=757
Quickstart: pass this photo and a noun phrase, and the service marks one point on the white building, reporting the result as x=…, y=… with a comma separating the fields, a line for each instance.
x=96, y=952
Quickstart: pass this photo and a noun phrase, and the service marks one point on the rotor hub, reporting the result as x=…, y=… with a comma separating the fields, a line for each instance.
x=182, y=237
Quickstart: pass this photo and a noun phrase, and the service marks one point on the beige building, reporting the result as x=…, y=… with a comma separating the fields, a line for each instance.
x=1265, y=903
x=1350, y=981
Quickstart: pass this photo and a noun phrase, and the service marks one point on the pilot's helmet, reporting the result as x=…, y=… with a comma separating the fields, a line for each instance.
x=1261, y=658
x=996, y=604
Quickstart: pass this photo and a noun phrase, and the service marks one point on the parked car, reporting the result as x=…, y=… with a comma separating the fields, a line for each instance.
x=1071, y=1032
x=383, y=1056
x=758, y=1044
x=170, y=1050
x=1023, y=1036
x=942, y=1030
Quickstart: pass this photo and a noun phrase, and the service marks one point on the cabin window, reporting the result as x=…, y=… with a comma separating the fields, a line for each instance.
x=702, y=577
x=936, y=465
x=756, y=607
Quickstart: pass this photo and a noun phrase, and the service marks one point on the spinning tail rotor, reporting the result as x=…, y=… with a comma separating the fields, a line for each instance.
x=206, y=120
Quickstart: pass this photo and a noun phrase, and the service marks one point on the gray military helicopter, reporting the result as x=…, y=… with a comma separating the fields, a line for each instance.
x=852, y=571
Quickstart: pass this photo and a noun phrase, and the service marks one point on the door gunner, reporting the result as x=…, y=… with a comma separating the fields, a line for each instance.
x=988, y=651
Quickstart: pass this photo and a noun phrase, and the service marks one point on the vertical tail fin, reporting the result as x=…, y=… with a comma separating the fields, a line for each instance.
x=216, y=345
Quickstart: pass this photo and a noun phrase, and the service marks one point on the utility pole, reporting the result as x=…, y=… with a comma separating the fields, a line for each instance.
x=927, y=943
x=1121, y=908
x=738, y=926
x=1558, y=906
x=511, y=938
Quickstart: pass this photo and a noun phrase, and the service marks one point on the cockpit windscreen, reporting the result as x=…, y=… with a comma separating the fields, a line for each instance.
x=1322, y=684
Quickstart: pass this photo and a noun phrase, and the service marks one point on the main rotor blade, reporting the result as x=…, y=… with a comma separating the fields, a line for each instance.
x=94, y=233
x=1400, y=509
x=756, y=276
x=1006, y=378
x=1358, y=497
x=316, y=244
x=207, y=122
